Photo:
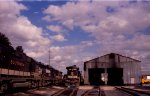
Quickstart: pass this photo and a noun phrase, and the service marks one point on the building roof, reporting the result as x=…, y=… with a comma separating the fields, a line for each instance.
x=115, y=54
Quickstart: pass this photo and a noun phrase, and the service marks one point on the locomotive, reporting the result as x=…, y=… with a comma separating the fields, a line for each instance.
x=73, y=76
x=19, y=70
x=145, y=79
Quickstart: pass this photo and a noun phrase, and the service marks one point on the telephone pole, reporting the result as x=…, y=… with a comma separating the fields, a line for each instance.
x=49, y=56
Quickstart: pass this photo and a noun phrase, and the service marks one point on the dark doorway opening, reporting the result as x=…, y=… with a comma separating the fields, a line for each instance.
x=115, y=76
x=95, y=76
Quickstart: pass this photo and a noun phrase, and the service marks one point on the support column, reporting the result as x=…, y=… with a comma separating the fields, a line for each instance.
x=106, y=76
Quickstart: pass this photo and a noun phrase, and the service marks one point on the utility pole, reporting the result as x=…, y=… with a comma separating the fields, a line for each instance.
x=49, y=56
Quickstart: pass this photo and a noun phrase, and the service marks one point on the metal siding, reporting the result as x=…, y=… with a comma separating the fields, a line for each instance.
x=131, y=70
x=131, y=67
x=86, y=74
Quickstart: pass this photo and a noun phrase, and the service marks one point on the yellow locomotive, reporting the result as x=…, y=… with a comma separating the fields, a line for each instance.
x=145, y=79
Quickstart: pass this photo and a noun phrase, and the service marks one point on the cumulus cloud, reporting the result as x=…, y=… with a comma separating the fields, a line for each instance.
x=68, y=55
x=101, y=21
x=20, y=30
x=115, y=25
x=55, y=28
x=58, y=37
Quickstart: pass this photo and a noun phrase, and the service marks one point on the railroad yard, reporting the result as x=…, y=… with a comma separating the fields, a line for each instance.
x=74, y=48
x=21, y=75
x=83, y=91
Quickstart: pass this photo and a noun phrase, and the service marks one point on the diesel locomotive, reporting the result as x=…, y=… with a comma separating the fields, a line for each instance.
x=19, y=70
x=73, y=76
x=145, y=79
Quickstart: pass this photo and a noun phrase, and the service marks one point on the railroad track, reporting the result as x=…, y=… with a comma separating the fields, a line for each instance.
x=41, y=91
x=133, y=92
x=67, y=92
x=15, y=90
x=96, y=91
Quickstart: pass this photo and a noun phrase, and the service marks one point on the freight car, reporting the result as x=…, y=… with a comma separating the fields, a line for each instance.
x=19, y=70
x=73, y=76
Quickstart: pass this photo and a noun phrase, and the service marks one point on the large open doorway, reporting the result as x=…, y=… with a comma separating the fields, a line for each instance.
x=95, y=76
x=115, y=76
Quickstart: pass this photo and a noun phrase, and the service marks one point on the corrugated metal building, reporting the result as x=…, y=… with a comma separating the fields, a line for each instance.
x=112, y=69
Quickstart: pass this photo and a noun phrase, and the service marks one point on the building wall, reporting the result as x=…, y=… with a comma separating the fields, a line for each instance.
x=131, y=67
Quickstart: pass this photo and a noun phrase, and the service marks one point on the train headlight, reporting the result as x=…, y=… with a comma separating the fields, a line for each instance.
x=103, y=79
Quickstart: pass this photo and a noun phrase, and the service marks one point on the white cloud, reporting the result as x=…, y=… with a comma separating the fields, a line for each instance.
x=11, y=8
x=87, y=43
x=92, y=17
x=55, y=28
x=118, y=31
x=68, y=23
x=68, y=55
x=57, y=58
x=36, y=54
x=58, y=37
x=114, y=32
x=103, y=25
x=20, y=30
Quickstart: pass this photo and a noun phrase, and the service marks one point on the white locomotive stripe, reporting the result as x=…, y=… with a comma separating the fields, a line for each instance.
x=4, y=71
x=28, y=74
x=21, y=73
x=16, y=72
x=13, y=72
x=25, y=74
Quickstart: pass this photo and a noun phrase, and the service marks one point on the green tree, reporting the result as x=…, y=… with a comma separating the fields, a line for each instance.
x=4, y=40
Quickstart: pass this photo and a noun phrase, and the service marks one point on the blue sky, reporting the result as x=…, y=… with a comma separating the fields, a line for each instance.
x=35, y=15
x=76, y=31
